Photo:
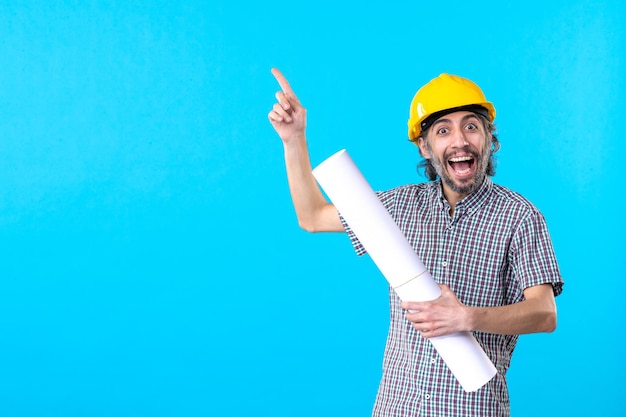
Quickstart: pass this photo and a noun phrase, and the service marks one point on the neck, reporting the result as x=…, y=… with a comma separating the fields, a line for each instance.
x=452, y=197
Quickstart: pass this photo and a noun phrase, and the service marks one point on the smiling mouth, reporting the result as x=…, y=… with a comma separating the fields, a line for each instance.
x=461, y=165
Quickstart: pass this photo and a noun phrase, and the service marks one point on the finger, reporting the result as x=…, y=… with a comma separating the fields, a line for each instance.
x=413, y=316
x=426, y=333
x=284, y=84
x=416, y=318
x=274, y=117
x=281, y=112
x=283, y=100
x=433, y=331
x=422, y=328
x=412, y=305
x=282, y=81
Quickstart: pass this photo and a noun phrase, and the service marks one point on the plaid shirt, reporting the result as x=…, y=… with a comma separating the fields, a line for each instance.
x=496, y=245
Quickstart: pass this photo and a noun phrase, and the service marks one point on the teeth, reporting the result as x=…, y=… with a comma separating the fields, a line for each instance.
x=461, y=159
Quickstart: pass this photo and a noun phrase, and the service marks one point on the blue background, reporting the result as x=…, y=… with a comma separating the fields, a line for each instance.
x=151, y=260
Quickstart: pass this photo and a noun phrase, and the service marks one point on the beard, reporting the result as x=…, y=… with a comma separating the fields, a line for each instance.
x=466, y=187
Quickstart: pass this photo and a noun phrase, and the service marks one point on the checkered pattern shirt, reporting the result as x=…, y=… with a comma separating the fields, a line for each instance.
x=496, y=245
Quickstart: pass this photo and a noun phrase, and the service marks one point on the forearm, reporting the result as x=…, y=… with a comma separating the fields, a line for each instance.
x=314, y=213
x=446, y=314
x=533, y=315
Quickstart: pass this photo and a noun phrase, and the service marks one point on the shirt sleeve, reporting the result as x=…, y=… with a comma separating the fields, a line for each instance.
x=388, y=200
x=532, y=255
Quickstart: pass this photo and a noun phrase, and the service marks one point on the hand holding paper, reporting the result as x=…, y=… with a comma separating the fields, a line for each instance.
x=444, y=315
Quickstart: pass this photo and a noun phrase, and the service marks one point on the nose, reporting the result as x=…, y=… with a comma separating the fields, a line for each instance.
x=459, y=140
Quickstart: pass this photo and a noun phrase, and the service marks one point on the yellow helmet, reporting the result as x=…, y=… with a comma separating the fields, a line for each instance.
x=442, y=95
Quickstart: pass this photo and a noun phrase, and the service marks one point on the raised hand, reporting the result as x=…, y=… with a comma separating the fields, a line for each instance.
x=288, y=117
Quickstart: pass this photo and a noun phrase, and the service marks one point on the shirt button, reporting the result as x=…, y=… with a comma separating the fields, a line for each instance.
x=427, y=396
x=433, y=360
x=444, y=264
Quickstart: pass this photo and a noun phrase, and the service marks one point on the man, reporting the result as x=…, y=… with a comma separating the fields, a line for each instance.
x=487, y=246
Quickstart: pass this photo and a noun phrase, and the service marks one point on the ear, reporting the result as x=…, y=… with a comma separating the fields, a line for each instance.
x=421, y=144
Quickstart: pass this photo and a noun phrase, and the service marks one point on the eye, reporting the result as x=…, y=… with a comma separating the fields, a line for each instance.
x=471, y=126
x=442, y=130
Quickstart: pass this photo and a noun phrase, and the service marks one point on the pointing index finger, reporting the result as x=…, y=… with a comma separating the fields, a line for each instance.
x=282, y=81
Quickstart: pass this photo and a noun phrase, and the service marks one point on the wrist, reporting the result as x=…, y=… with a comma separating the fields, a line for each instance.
x=295, y=139
x=295, y=144
x=471, y=318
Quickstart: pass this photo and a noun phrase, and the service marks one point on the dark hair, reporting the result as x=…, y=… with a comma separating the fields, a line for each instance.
x=490, y=129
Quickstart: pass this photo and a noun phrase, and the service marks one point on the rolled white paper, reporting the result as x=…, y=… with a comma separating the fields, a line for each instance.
x=392, y=253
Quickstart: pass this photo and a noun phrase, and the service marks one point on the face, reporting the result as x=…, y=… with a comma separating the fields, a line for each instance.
x=458, y=149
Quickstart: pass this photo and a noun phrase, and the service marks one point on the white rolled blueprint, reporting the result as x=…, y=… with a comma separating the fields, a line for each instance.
x=392, y=253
